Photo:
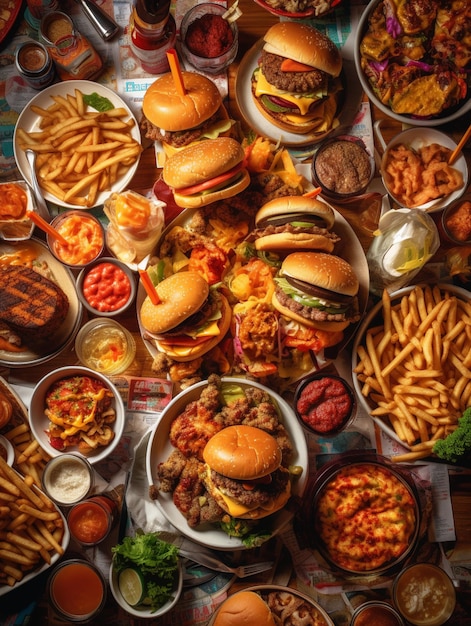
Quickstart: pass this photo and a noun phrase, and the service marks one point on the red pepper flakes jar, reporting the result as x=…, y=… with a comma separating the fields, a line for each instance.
x=153, y=32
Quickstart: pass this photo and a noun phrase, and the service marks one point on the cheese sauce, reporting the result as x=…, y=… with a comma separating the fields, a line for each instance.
x=365, y=517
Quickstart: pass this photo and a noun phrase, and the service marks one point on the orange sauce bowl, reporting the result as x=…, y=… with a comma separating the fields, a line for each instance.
x=85, y=237
x=90, y=521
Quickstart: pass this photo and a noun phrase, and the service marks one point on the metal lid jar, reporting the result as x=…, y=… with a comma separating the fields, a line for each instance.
x=34, y=64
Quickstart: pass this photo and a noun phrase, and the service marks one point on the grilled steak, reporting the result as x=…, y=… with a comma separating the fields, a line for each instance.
x=30, y=304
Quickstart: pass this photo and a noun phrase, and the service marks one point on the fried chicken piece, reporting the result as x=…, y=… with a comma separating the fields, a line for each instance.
x=169, y=471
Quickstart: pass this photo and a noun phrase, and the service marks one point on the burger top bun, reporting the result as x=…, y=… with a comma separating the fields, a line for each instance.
x=293, y=205
x=202, y=161
x=242, y=452
x=164, y=106
x=180, y=295
x=244, y=608
x=305, y=44
x=323, y=270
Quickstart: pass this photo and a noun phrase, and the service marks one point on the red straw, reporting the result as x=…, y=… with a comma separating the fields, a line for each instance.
x=176, y=71
x=149, y=287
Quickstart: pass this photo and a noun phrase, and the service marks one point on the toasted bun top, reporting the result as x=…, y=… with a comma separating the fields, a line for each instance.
x=242, y=452
x=202, y=161
x=181, y=295
x=323, y=270
x=244, y=607
x=165, y=107
x=287, y=205
x=305, y=44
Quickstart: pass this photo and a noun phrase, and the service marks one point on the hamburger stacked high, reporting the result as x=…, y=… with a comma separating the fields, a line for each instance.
x=297, y=83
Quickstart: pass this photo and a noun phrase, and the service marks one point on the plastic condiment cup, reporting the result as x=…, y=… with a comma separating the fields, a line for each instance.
x=90, y=521
x=67, y=479
x=104, y=345
x=424, y=595
x=85, y=236
x=77, y=591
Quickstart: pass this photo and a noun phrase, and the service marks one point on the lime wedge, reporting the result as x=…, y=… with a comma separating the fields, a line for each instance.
x=131, y=585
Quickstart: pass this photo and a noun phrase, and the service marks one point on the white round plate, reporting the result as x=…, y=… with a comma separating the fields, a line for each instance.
x=253, y=117
x=159, y=449
x=65, y=334
x=29, y=122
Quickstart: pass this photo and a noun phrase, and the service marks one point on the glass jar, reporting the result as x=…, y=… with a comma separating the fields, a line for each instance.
x=90, y=521
x=67, y=479
x=153, y=32
x=105, y=346
x=35, y=65
x=84, y=234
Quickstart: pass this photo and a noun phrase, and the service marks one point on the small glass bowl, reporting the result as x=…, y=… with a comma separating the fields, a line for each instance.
x=343, y=168
x=215, y=64
x=77, y=227
x=104, y=345
x=67, y=479
x=324, y=404
x=436, y=588
x=104, y=308
x=455, y=222
x=376, y=612
x=90, y=521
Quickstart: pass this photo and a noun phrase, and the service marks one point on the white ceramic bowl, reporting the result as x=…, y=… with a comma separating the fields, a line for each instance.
x=159, y=449
x=142, y=611
x=39, y=422
x=445, y=118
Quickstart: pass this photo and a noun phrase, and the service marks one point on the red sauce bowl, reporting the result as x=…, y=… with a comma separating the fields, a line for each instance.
x=106, y=287
x=90, y=521
x=324, y=404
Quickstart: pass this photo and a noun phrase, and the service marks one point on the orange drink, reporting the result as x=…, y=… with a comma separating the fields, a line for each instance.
x=77, y=590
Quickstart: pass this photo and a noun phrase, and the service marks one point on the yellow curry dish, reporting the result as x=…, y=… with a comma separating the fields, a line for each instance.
x=366, y=518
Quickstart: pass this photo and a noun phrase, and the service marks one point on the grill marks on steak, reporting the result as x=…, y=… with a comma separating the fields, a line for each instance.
x=31, y=304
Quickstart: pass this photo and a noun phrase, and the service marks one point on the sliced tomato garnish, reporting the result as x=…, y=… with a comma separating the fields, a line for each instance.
x=183, y=340
x=289, y=65
x=212, y=182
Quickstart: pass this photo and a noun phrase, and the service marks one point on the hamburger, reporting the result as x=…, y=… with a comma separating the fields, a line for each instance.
x=244, y=607
x=297, y=82
x=295, y=223
x=177, y=120
x=317, y=290
x=244, y=472
x=206, y=172
x=190, y=318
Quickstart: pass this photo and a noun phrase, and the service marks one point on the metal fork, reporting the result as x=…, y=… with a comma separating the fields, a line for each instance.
x=241, y=571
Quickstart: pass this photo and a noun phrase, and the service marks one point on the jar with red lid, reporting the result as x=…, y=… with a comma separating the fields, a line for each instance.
x=153, y=32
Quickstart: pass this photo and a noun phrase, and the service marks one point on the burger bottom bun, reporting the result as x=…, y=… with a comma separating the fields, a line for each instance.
x=294, y=242
x=191, y=202
x=208, y=345
x=326, y=326
x=245, y=608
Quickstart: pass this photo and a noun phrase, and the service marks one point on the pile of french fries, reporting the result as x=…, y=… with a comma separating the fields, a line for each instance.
x=80, y=152
x=415, y=366
x=31, y=527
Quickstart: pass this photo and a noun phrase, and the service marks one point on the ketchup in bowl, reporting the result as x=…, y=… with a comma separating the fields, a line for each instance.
x=106, y=287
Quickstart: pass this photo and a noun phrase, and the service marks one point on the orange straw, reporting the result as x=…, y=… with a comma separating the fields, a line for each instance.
x=46, y=227
x=149, y=287
x=176, y=71
x=456, y=152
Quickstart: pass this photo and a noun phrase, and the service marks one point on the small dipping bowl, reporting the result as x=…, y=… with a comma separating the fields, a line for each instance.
x=67, y=479
x=106, y=287
x=455, y=222
x=7, y=451
x=15, y=201
x=209, y=42
x=77, y=590
x=424, y=595
x=90, y=520
x=343, y=168
x=84, y=234
x=377, y=614
x=324, y=404
x=105, y=346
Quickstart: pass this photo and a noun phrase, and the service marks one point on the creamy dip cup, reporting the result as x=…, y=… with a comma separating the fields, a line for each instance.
x=67, y=479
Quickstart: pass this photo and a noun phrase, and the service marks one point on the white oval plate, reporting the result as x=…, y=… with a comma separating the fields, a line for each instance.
x=29, y=122
x=159, y=449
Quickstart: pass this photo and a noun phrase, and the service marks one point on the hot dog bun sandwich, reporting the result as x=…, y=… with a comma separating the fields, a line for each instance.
x=190, y=318
x=244, y=608
x=179, y=120
x=296, y=84
x=206, y=172
x=295, y=223
x=244, y=472
x=317, y=290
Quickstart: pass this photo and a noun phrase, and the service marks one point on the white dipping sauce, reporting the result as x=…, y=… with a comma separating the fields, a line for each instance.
x=67, y=479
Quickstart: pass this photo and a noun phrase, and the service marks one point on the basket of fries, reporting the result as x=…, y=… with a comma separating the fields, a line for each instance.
x=411, y=365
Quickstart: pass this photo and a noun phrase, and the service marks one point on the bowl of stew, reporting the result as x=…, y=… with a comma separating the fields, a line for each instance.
x=106, y=287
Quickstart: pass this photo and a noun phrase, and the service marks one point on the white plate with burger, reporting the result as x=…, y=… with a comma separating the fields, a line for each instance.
x=160, y=448
x=348, y=98
x=49, y=314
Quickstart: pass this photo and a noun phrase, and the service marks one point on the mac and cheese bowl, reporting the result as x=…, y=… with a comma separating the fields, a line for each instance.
x=362, y=516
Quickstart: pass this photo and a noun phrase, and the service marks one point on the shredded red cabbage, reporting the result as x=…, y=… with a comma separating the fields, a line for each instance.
x=393, y=26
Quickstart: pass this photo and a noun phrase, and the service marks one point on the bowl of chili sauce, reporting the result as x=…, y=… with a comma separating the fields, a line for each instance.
x=324, y=404
x=106, y=287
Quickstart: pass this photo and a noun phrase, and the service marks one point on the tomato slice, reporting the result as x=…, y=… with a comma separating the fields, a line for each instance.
x=212, y=182
x=289, y=65
x=183, y=340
